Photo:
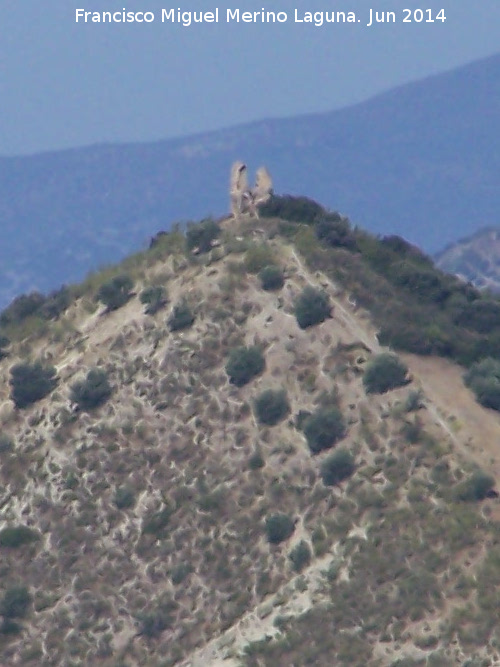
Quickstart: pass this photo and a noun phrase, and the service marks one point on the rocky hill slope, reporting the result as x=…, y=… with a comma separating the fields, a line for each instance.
x=175, y=522
x=420, y=161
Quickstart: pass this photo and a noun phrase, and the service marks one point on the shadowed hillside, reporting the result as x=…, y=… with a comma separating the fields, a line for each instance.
x=420, y=161
x=209, y=458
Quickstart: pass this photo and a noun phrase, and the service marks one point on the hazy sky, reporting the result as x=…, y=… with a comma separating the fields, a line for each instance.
x=66, y=84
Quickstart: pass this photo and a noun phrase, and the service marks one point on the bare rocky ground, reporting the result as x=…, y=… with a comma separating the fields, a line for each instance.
x=185, y=575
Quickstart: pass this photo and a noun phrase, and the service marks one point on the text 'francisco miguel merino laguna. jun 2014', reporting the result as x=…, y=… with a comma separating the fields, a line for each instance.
x=319, y=18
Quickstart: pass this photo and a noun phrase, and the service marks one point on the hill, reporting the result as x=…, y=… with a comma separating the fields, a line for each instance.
x=419, y=161
x=240, y=475
x=475, y=259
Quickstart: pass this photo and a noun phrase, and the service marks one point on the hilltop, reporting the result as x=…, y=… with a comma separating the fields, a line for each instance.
x=306, y=501
x=419, y=161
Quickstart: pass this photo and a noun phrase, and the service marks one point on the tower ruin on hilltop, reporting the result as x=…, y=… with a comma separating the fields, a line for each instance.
x=244, y=199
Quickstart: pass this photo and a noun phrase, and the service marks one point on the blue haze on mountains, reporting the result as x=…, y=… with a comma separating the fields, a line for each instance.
x=421, y=160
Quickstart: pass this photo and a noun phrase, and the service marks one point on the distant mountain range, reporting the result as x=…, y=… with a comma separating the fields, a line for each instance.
x=421, y=161
x=475, y=259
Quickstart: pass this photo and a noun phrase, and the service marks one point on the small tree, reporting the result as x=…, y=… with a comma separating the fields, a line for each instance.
x=93, y=391
x=279, y=527
x=116, y=292
x=312, y=307
x=244, y=364
x=31, y=382
x=300, y=556
x=386, y=371
x=324, y=428
x=271, y=406
x=271, y=278
x=337, y=467
x=154, y=298
x=182, y=317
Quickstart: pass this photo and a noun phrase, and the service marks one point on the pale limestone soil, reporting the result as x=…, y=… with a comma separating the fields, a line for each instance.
x=454, y=410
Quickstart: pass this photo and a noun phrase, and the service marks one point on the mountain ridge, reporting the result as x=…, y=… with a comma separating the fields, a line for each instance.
x=422, y=167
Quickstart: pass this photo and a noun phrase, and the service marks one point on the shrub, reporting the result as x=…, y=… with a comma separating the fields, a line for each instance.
x=56, y=303
x=337, y=467
x=259, y=256
x=154, y=298
x=279, y=527
x=312, y=307
x=294, y=209
x=271, y=407
x=124, y=498
x=477, y=487
x=15, y=602
x=300, y=556
x=386, y=371
x=4, y=342
x=182, y=317
x=324, y=428
x=116, y=292
x=93, y=391
x=335, y=231
x=156, y=523
x=202, y=235
x=31, y=382
x=483, y=377
x=244, y=364
x=271, y=278
x=15, y=536
x=256, y=461
x=22, y=307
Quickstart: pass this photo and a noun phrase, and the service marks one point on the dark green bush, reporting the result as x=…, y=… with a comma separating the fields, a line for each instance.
x=31, y=382
x=116, y=292
x=312, y=307
x=337, y=467
x=202, y=235
x=93, y=391
x=10, y=627
x=384, y=372
x=156, y=523
x=15, y=602
x=124, y=498
x=56, y=303
x=279, y=527
x=258, y=257
x=154, y=298
x=477, y=487
x=271, y=407
x=15, y=536
x=271, y=278
x=335, y=231
x=300, y=556
x=324, y=428
x=244, y=364
x=483, y=377
x=256, y=461
x=182, y=317
x=294, y=209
